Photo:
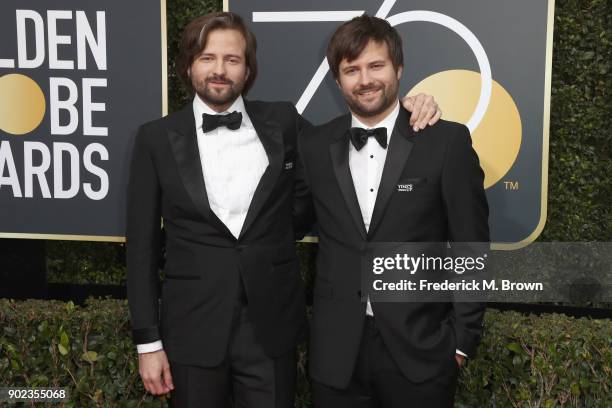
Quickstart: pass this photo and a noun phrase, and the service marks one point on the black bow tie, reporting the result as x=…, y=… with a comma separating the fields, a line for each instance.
x=359, y=136
x=231, y=121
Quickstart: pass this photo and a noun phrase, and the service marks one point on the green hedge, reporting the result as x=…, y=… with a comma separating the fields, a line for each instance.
x=580, y=170
x=523, y=361
x=86, y=262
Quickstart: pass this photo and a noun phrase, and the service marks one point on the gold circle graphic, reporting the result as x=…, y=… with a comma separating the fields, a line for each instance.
x=22, y=104
x=497, y=139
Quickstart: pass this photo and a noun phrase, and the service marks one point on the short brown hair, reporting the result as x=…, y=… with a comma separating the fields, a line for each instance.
x=352, y=37
x=195, y=36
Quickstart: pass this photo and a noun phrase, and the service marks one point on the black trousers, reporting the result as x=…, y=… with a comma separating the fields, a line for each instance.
x=377, y=382
x=247, y=378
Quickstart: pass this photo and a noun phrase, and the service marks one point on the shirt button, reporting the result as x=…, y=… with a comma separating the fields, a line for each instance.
x=371, y=190
x=371, y=156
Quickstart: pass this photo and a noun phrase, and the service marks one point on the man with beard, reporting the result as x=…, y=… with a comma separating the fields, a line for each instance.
x=224, y=175
x=376, y=354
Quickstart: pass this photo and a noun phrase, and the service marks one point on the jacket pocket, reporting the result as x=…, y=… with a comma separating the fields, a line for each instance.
x=415, y=181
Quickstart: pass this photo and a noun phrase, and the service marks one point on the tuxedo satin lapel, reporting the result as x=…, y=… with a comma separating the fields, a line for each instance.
x=339, y=151
x=399, y=149
x=271, y=137
x=183, y=140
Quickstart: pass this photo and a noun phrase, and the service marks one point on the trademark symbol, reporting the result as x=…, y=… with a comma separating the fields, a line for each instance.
x=511, y=185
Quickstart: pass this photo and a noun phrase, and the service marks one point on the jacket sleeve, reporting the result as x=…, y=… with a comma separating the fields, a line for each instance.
x=143, y=237
x=468, y=215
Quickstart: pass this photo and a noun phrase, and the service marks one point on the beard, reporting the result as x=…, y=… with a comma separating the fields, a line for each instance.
x=388, y=96
x=218, y=96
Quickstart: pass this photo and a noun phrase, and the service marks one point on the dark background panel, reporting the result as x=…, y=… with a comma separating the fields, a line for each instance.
x=133, y=95
x=294, y=50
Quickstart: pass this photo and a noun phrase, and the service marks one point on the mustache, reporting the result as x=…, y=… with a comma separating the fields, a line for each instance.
x=219, y=79
x=367, y=88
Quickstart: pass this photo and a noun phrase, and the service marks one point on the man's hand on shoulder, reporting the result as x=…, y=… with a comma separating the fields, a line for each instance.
x=424, y=109
x=154, y=370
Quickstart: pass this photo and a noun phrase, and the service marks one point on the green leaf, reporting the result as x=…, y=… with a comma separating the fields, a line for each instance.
x=575, y=389
x=588, y=55
x=63, y=350
x=90, y=356
x=64, y=340
x=515, y=347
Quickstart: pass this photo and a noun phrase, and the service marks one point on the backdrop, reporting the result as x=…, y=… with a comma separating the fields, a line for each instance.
x=488, y=64
x=76, y=79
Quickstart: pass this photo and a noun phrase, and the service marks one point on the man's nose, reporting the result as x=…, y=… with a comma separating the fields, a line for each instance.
x=219, y=67
x=364, y=77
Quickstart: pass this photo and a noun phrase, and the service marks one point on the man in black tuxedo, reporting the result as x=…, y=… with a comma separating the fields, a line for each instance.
x=376, y=354
x=224, y=175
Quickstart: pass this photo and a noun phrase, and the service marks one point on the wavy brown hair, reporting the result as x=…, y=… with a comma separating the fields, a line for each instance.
x=195, y=36
x=352, y=37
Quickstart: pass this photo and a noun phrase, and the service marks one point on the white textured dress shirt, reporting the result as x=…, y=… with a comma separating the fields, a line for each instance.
x=233, y=162
x=366, y=167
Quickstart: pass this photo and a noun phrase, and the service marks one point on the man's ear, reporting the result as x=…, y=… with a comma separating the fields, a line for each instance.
x=189, y=72
x=400, y=70
x=248, y=72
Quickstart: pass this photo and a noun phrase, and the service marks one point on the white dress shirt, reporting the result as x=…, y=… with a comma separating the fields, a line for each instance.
x=366, y=167
x=233, y=162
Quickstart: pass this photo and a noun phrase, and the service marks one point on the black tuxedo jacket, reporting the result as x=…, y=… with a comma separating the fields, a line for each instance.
x=204, y=262
x=447, y=204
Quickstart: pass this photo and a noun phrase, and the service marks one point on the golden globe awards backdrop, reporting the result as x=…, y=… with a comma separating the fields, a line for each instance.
x=76, y=80
x=488, y=64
